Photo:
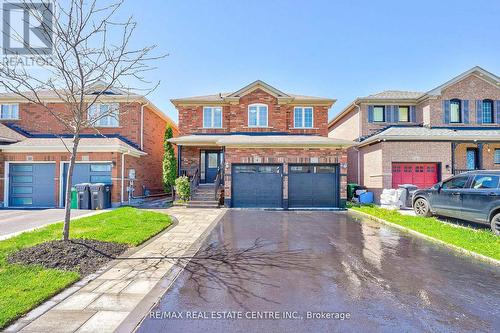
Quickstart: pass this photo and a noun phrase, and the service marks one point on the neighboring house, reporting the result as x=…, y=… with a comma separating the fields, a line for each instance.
x=33, y=149
x=422, y=138
x=272, y=148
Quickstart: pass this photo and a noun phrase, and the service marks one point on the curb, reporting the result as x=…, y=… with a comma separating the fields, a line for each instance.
x=435, y=240
x=141, y=310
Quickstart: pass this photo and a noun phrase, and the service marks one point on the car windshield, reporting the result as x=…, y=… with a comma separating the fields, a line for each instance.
x=485, y=182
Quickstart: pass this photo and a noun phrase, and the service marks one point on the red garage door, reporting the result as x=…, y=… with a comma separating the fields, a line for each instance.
x=423, y=175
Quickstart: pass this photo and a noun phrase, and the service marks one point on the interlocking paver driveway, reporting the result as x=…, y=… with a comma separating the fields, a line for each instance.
x=101, y=305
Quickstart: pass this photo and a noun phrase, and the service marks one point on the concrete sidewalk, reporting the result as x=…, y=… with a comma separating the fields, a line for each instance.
x=102, y=304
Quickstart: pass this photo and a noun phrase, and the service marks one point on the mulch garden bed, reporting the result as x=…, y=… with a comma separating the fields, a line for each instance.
x=83, y=255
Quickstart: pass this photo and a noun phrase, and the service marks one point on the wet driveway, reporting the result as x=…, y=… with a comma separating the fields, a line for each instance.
x=379, y=277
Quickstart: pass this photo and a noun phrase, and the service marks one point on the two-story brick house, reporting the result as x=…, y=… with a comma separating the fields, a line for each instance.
x=422, y=138
x=272, y=147
x=34, y=156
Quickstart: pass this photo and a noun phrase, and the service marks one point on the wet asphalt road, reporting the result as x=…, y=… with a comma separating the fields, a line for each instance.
x=387, y=280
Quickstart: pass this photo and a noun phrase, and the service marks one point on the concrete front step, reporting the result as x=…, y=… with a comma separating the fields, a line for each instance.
x=213, y=202
x=202, y=206
x=204, y=196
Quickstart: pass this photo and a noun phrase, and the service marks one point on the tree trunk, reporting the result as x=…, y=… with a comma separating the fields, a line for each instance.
x=69, y=178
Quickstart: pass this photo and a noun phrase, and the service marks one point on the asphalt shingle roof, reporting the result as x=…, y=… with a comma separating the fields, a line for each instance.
x=443, y=133
x=396, y=94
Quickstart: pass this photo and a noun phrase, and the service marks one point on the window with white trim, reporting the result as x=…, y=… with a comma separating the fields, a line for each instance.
x=104, y=115
x=303, y=117
x=9, y=111
x=257, y=115
x=212, y=117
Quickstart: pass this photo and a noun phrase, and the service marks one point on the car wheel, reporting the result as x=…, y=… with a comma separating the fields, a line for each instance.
x=495, y=224
x=421, y=207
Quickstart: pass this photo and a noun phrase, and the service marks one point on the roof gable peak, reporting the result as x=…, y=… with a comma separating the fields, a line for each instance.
x=476, y=71
x=258, y=84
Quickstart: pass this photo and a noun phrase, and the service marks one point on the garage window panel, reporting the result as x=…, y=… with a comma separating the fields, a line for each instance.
x=268, y=169
x=22, y=201
x=300, y=169
x=100, y=179
x=22, y=190
x=245, y=169
x=22, y=179
x=325, y=169
x=22, y=168
x=100, y=167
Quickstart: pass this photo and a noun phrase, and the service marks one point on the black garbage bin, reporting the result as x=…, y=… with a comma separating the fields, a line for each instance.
x=100, y=196
x=410, y=189
x=83, y=195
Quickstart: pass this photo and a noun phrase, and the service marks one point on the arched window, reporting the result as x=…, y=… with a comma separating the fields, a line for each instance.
x=455, y=111
x=257, y=115
x=488, y=117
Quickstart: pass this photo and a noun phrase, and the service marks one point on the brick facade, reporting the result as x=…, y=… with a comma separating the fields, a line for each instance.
x=470, y=88
x=148, y=168
x=375, y=161
x=235, y=117
x=280, y=121
x=285, y=156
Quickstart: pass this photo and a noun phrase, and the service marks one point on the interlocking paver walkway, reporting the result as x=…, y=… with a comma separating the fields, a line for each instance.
x=102, y=304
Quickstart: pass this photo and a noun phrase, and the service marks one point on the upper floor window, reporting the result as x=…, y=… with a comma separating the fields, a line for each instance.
x=9, y=111
x=487, y=111
x=257, y=115
x=455, y=111
x=497, y=156
x=303, y=117
x=404, y=114
x=212, y=117
x=104, y=115
x=379, y=113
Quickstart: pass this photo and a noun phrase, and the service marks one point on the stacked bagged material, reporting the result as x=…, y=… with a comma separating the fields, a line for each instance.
x=393, y=198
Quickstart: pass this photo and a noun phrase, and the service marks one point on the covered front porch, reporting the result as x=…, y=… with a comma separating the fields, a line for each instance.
x=474, y=155
x=202, y=163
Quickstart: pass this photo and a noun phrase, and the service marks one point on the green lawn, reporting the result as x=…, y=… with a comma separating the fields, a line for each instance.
x=481, y=241
x=23, y=287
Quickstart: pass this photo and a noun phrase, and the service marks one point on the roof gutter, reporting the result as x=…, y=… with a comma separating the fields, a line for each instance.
x=142, y=124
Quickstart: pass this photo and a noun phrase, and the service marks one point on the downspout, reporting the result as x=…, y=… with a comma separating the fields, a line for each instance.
x=142, y=124
x=360, y=124
x=123, y=176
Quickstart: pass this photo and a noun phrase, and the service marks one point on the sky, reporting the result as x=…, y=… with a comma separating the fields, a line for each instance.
x=335, y=49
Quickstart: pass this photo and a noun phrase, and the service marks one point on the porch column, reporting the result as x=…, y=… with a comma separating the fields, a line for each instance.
x=453, y=147
x=179, y=159
x=480, y=155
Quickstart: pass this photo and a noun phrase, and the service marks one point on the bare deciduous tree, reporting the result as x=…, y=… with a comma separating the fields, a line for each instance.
x=90, y=49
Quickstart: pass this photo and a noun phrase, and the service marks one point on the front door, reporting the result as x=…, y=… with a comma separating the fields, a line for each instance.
x=212, y=162
x=472, y=158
